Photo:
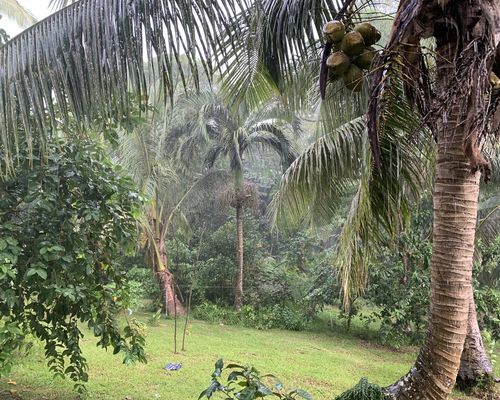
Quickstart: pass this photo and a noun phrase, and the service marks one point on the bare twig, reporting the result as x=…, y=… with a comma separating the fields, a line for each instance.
x=195, y=276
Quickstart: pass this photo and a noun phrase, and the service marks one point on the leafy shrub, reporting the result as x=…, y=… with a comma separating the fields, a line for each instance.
x=486, y=286
x=246, y=383
x=64, y=223
x=488, y=310
x=143, y=285
x=399, y=284
x=277, y=316
x=363, y=390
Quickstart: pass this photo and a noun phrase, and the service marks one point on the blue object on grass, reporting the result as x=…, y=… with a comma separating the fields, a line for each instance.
x=172, y=367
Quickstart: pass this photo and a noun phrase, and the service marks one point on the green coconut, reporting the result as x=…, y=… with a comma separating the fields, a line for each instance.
x=352, y=44
x=338, y=62
x=353, y=78
x=332, y=76
x=334, y=31
x=371, y=35
x=365, y=59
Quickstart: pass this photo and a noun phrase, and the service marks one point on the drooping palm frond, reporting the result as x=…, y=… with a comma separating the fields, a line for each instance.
x=58, y=4
x=270, y=136
x=320, y=175
x=204, y=189
x=387, y=193
x=142, y=154
x=12, y=9
x=314, y=183
x=356, y=240
x=82, y=61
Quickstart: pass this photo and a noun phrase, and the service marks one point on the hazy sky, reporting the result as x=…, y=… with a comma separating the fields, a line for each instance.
x=39, y=8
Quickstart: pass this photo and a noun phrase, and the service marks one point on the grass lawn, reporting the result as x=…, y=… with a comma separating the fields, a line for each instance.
x=322, y=362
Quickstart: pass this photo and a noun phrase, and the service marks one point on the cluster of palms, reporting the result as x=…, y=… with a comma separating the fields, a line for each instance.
x=197, y=132
x=264, y=49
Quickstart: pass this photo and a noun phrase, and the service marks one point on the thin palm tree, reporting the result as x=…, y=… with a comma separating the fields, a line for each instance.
x=145, y=155
x=142, y=153
x=231, y=136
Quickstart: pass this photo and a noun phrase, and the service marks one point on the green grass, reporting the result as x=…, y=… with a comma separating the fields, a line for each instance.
x=324, y=362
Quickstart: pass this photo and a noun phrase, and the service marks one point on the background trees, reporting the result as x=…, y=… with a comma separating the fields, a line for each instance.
x=97, y=90
x=231, y=135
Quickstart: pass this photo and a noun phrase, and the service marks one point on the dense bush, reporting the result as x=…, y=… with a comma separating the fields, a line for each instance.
x=143, y=286
x=486, y=286
x=277, y=316
x=64, y=223
x=399, y=284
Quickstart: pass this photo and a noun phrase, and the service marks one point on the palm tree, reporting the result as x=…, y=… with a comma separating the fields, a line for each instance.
x=142, y=153
x=231, y=135
x=145, y=155
x=69, y=66
x=327, y=169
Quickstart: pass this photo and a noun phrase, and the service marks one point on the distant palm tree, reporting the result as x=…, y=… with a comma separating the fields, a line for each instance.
x=145, y=155
x=231, y=135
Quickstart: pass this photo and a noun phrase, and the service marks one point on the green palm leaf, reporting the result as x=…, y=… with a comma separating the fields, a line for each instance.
x=320, y=175
x=82, y=61
x=12, y=9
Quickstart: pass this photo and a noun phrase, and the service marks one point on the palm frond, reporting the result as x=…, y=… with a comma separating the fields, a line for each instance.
x=82, y=61
x=355, y=246
x=320, y=175
x=270, y=136
x=205, y=189
x=13, y=10
x=58, y=4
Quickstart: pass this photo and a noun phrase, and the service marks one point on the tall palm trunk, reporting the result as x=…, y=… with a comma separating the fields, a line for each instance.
x=238, y=288
x=455, y=212
x=238, y=205
x=475, y=366
x=465, y=33
x=455, y=201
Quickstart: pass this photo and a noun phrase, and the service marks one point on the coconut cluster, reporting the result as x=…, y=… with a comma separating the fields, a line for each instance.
x=351, y=52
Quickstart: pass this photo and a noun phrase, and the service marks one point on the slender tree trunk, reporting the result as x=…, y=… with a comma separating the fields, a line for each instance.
x=238, y=288
x=475, y=366
x=455, y=212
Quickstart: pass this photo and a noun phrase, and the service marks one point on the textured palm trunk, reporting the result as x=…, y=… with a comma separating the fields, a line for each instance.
x=455, y=212
x=238, y=288
x=475, y=366
x=170, y=301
